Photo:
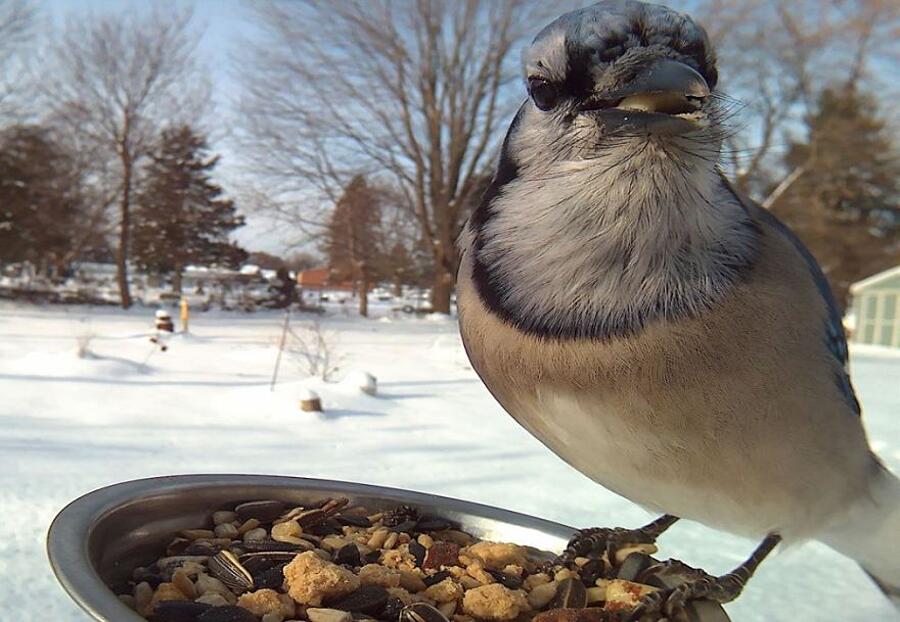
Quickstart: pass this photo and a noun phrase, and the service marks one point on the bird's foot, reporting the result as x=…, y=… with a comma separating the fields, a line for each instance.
x=609, y=541
x=684, y=588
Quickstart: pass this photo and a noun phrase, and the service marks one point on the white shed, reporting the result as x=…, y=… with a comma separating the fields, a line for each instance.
x=876, y=309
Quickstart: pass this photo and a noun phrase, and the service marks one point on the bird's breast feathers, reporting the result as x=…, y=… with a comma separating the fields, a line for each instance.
x=675, y=416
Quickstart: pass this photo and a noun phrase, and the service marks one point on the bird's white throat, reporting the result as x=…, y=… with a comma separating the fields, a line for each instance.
x=614, y=240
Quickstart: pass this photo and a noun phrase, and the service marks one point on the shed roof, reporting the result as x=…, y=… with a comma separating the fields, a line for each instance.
x=875, y=279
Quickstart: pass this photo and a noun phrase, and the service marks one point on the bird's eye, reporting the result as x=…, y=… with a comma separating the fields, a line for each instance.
x=543, y=92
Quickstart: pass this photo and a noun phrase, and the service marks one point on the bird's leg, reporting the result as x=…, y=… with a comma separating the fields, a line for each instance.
x=671, y=602
x=600, y=540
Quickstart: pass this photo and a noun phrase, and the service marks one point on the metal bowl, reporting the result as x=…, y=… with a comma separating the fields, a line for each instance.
x=96, y=541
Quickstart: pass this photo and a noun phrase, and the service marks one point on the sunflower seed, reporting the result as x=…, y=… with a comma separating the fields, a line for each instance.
x=570, y=594
x=633, y=566
x=264, y=511
x=422, y=612
x=227, y=569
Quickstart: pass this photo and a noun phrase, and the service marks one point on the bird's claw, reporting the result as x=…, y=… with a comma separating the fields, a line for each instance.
x=673, y=603
x=603, y=540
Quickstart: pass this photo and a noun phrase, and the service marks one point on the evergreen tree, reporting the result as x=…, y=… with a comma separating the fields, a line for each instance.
x=351, y=243
x=181, y=216
x=845, y=205
x=40, y=198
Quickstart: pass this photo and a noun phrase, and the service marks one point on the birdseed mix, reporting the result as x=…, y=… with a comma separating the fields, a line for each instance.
x=264, y=561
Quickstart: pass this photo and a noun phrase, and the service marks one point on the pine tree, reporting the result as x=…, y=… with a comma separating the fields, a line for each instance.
x=351, y=243
x=181, y=216
x=40, y=198
x=846, y=204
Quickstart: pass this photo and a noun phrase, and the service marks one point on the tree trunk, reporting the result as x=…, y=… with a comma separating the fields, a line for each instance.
x=440, y=292
x=364, y=296
x=398, y=287
x=176, y=278
x=122, y=253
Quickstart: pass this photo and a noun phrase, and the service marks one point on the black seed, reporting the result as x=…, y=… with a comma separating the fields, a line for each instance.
x=328, y=527
x=372, y=557
x=263, y=511
x=407, y=526
x=434, y=524
x=418, y=551
x=178, y=546
x=507, y=580
x=349, y=555
x=256, y=563
x=633, y=565
x=392, y=609
x=353, y=520
x=369, y=599
x=570, y=594
x=271, y=546
x=201, y=548
x=152, y=578
x=227, y=613
x=178, y=611
x=437, y=577
x=592, y=571
x=271, y=578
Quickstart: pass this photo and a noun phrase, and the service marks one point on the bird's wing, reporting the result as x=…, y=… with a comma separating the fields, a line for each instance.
x=835, y=339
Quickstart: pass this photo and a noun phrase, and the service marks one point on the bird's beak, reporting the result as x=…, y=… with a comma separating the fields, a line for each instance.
x=665, y=87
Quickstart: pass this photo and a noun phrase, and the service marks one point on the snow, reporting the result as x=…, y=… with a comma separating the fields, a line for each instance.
x=69, y=425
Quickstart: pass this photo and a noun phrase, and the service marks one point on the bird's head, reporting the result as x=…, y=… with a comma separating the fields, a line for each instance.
x=619, y=70
x=607, y=208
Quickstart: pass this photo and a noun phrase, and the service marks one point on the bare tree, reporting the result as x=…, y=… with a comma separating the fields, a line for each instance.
x=413, y=89
x=777, y=57
x=17, y=18
x=118, y=80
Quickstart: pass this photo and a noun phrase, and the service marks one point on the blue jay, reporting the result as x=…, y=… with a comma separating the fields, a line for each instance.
x=659, y=332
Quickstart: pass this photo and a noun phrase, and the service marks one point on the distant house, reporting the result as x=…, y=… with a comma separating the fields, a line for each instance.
x=319, y=279
x=876, y=309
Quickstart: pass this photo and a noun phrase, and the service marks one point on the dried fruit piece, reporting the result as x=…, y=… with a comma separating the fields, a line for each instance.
x=349, y=555
x=440, y=554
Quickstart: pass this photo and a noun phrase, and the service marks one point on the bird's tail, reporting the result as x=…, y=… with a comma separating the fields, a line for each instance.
x=871, y=534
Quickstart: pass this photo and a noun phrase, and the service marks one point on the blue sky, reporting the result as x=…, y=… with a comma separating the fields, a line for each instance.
x=223, y=24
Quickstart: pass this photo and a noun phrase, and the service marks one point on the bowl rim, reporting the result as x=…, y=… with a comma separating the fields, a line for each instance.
x=69, y=533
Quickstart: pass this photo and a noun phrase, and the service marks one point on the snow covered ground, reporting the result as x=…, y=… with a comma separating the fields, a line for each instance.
x=69, y=425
